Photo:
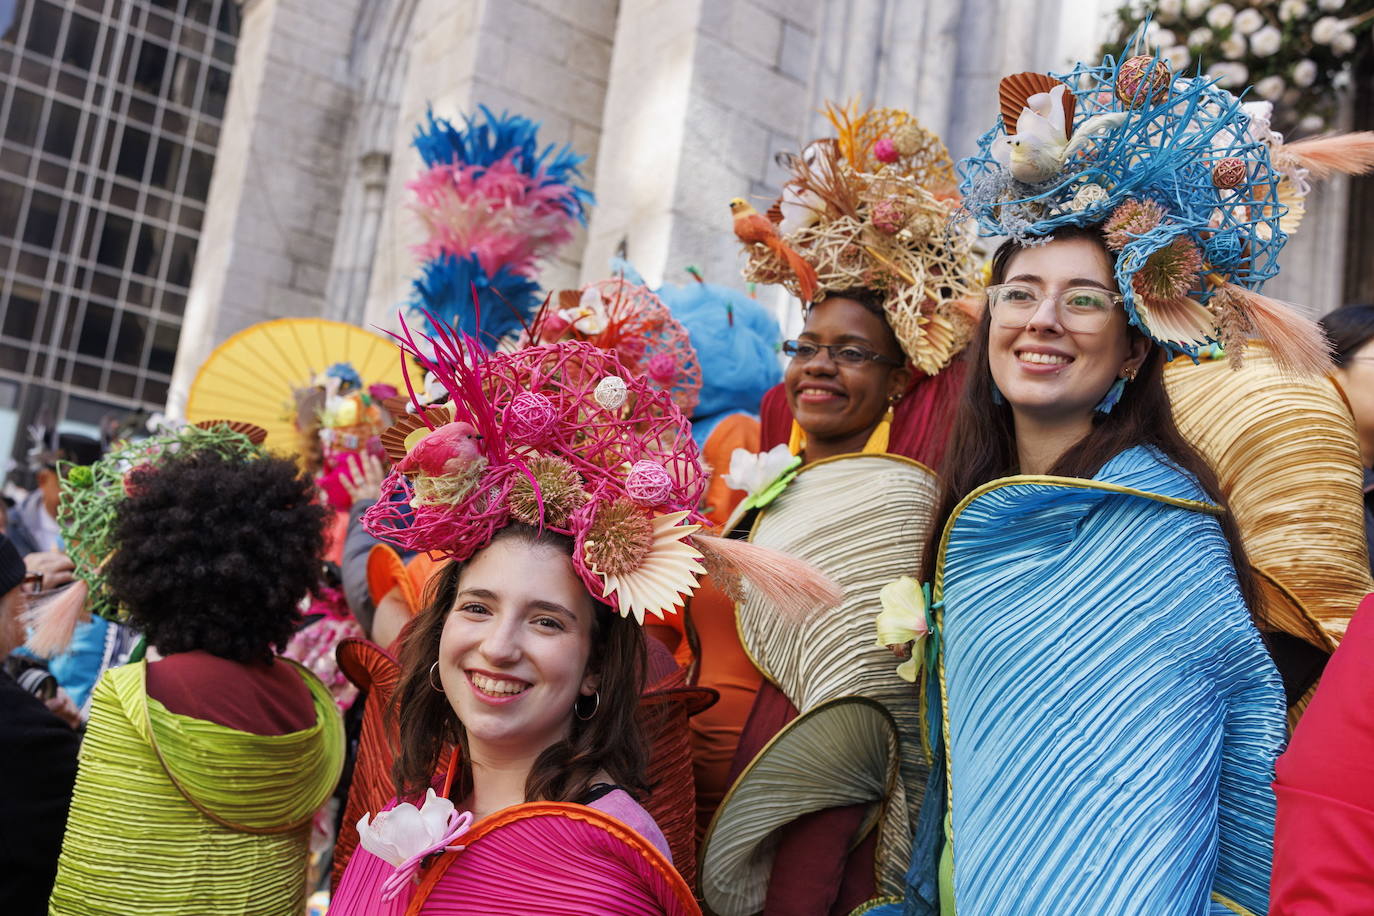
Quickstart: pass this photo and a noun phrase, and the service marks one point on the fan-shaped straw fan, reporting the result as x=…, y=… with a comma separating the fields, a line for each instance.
x=252, y=375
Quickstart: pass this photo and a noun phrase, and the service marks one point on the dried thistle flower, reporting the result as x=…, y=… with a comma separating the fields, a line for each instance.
x=1169, y=273
x=619, y=538
x=560, y=488
x=1130, y=219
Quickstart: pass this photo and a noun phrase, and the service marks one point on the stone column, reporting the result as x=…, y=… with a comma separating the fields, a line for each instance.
x=273, y=206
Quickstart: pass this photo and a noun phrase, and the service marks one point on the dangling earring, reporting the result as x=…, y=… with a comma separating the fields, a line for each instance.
x=881, y=437
x=996, y=393
x=1112, y=397
x=596, y=704
x=433, y=669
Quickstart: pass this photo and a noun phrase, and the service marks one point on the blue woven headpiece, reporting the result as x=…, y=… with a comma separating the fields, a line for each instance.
x=1177, y=151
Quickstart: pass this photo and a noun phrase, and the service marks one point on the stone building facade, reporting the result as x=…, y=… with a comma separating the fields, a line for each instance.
x=679, y=105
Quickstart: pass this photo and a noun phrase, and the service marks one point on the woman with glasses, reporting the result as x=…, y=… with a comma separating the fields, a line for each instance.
x=822, y=789
x=1103, y=709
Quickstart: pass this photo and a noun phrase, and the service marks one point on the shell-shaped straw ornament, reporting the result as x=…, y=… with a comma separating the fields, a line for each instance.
x=1014, y=91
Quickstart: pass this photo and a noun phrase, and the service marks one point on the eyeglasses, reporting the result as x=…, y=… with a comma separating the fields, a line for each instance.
x=1083, y=309
x=840, y=354
x=33, y=583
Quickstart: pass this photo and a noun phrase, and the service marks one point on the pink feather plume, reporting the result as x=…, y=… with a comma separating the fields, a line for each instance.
x=1297, y=343
x=794, y=587
x=1347, y=154
x=54, y=620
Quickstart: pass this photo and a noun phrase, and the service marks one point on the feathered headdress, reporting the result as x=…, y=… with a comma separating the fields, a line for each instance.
x=90, y=497
x=1194, y=193
x=493, y=205
x=563, y=436
x=872, y=208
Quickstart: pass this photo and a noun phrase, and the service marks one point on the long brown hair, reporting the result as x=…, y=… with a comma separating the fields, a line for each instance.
x=982, y=444
x=610, y=740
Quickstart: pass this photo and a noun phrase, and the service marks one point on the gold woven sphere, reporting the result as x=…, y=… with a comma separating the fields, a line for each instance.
x=1136, y=70
x=1228, y=173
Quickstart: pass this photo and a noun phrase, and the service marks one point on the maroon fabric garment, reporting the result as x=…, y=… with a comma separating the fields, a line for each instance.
x=920, y=422
x=261, y=699
x=811, y=876
x=770, y=712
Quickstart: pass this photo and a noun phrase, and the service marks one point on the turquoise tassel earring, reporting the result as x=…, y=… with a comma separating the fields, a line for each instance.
x=997, y=395
x=1112, y=397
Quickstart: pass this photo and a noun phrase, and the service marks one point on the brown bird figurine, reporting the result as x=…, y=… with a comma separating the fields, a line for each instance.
x=753, y=228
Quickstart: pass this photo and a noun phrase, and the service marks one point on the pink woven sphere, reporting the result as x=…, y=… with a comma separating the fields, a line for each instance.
x=648, y=483
x=530, y=418
x=886, y=151
x=1135, y=71
x=1229, y=172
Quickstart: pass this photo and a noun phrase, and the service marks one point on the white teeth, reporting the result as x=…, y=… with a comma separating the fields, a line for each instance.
x=1053, y=359
x=816, y=391
x=497, y=686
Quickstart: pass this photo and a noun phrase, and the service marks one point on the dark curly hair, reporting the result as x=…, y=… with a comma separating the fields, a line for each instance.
x=215, y=553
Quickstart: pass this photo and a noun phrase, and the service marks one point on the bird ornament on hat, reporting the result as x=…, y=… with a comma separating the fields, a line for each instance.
x=1194, y=193
x=872, y=208
x=564, y=436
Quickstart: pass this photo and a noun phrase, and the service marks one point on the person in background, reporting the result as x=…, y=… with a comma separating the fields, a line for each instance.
x=1351, y=332
x=37, y=763
x=201, y=771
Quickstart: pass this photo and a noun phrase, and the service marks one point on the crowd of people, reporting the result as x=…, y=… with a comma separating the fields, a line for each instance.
x=1034, y=586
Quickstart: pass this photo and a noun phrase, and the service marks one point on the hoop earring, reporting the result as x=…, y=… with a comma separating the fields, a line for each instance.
x=438, y=688
x=596, y=704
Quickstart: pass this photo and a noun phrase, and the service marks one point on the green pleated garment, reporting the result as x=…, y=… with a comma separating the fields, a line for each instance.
x=219, y=824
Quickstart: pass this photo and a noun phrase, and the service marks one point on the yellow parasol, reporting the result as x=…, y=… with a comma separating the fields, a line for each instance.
x=252, y=375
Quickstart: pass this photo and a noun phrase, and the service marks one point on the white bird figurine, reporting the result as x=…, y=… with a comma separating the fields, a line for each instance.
x=1041, y=145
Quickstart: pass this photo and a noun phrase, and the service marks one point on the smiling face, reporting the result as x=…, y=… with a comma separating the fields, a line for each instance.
x=839, y=406
x=514, y=651
x=1044, y=370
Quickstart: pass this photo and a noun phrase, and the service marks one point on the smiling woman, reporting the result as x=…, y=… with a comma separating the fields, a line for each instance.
x=868, y=388
x=540, y=685
x=570, y=517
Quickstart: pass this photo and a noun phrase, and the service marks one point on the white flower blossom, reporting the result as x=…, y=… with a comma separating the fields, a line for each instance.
x=405, y=831
x=1292, y=9
x=1220, y=16
x=1266, y=42
x=1168, y=10
x=1330, y=6
x=1199, y=38
x=1343, y=43
x=752, y=472
x=1163, y=38
x=1271, y=87
x=1195, y=8
x=1311, y=124
x=1248, y=21
x=1234, y=47
x=1341, y=81
x=1229, y=75
x=1304, y=73
x=1177, y=58
x=1325, y=29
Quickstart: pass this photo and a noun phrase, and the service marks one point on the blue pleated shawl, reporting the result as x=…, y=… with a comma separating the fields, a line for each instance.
x=1111, y=716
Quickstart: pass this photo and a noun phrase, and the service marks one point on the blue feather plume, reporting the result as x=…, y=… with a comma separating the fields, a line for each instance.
x=505, y=302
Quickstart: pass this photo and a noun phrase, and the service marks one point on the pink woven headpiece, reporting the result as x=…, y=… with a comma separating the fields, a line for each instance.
x=560, y=436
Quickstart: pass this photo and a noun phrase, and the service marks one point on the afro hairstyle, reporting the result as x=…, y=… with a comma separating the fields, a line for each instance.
x=215, y=554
